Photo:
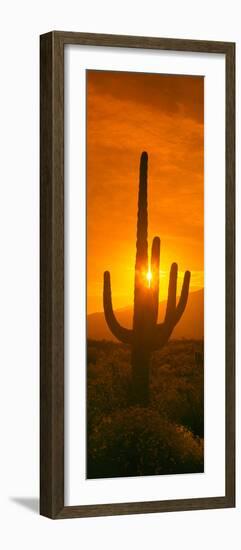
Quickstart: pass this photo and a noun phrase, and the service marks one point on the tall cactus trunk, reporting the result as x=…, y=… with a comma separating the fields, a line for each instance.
x=146, y=335
x=140, y=356
x=140, y=388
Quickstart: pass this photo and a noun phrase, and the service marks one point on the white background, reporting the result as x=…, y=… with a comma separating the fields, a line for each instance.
x=21, y=23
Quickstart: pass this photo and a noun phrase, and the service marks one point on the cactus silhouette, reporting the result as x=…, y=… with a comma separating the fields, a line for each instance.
x=146, y=335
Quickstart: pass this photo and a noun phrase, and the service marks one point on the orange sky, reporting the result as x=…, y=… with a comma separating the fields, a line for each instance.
x=128, y=113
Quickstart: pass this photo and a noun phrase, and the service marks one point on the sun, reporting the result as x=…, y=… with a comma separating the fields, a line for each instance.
x=149, y=277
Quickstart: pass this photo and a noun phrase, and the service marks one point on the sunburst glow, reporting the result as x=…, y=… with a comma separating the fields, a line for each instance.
x=149, y=277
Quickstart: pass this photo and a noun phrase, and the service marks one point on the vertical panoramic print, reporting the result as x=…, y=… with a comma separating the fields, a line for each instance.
x=145, y=274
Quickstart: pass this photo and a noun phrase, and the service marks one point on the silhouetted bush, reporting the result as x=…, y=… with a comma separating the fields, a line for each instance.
x=108, y=383
x=137, y=441
x=177, y=393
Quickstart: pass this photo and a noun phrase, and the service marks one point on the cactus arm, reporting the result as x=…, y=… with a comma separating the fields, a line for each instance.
x=172, y=291
x=161, y=335
x=155, y=266
x=174, y=313
x=184, y=296
x=121, y=333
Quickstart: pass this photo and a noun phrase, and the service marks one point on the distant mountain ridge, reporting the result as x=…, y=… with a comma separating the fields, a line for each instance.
x=190, y=326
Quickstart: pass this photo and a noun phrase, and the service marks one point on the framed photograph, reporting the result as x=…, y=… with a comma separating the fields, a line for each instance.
x=137, y=398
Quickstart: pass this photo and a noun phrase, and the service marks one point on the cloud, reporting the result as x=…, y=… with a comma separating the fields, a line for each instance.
x=126, y=114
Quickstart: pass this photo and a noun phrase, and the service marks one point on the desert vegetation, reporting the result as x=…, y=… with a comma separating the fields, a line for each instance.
x=165, y=437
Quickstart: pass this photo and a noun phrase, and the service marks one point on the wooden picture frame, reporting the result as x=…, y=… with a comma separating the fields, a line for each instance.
x=52, y=274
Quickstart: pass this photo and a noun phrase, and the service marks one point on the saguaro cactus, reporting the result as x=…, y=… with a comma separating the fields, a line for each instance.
x=146, y=335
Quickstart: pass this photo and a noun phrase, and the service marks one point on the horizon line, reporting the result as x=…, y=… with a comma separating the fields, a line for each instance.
x=131, y=305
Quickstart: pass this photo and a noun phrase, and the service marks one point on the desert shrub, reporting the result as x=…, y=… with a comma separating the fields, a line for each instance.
x=177, y=386
x=138, y=441
x=108, y=384
x=92, y=355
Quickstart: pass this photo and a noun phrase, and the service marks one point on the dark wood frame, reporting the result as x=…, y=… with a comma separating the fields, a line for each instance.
x=52, y=274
